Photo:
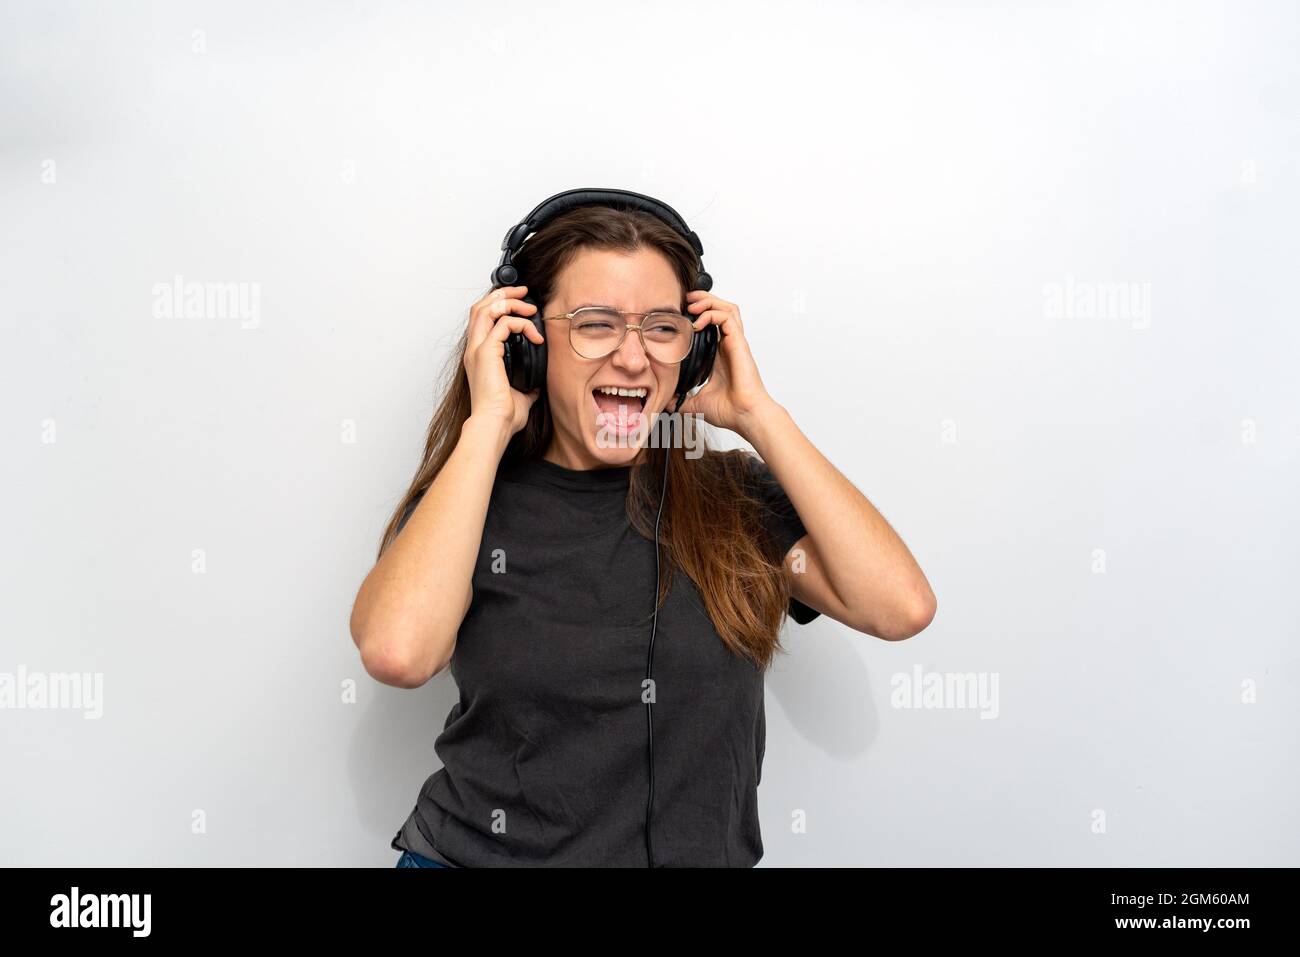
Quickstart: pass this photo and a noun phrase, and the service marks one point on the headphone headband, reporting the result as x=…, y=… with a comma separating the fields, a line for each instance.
x=506, y=275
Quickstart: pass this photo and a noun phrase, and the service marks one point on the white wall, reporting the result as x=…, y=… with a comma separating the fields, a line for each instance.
x=893, y=193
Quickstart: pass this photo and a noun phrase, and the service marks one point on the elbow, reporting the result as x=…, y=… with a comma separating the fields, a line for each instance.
x=911, y=620
x=394, y=651
x=394, y=669
x=920, y=615
x=391, y=662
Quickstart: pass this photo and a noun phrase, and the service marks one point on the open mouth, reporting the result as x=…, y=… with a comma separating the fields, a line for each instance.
x=620, y=410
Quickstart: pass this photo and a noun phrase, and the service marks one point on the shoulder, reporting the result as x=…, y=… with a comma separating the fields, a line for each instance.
x=739, y=479
x=736, y=464
x=760, y=483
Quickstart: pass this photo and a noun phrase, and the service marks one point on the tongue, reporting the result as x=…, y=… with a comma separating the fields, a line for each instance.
x=617, y=411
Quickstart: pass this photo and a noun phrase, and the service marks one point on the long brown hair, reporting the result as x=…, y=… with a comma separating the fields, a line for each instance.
x=711, y=526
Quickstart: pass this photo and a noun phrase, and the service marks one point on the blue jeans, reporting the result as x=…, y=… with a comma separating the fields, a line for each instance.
x=409, y=859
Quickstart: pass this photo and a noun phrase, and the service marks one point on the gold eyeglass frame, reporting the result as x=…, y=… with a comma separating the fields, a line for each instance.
x=627, y=326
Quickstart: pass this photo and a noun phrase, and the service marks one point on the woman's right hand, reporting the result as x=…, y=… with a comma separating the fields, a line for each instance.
x=491, y=319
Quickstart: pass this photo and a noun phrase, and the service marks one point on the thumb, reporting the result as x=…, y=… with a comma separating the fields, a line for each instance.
x=530, y=399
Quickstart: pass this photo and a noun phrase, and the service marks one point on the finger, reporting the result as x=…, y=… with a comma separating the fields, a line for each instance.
x=479, y=323
x=494, y=342
x=500, y=294
x=503, y=291
x=488, y=311
x=501, y=307
x=508, y=324
x=521, y=324
x=727, y=322
x=708, y=301
x=501, y=301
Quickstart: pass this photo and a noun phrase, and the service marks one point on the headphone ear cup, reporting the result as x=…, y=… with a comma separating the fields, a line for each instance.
x=698, y=364
x=525, y=360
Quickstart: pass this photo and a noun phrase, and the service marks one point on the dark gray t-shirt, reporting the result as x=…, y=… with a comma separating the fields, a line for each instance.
x=545, y=754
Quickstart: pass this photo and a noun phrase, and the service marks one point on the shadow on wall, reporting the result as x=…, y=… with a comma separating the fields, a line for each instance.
x=391, y=753
x=824, y=689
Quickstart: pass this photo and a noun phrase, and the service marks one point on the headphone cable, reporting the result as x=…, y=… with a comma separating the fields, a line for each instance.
x=649, y=668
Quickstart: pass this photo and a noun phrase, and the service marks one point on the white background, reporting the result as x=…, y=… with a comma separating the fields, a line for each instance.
x=887, y=191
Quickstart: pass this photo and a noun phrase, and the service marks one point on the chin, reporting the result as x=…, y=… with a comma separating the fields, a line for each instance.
x=613, y=449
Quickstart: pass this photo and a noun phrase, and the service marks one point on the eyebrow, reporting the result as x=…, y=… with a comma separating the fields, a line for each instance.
x=601, y=305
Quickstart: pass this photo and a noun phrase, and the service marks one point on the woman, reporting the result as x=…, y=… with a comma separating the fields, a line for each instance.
x=522, y=557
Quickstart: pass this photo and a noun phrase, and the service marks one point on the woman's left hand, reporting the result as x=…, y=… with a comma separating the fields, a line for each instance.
x=734, y=392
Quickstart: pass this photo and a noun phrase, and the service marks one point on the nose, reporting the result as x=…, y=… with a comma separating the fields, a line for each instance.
x=631, y=355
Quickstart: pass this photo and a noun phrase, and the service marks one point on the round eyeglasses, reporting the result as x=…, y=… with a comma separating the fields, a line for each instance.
x=596, y=331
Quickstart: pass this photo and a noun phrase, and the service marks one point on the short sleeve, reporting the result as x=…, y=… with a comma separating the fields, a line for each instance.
x=784, y=527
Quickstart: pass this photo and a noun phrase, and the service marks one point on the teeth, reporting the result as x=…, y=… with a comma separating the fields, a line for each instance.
x=630, y=393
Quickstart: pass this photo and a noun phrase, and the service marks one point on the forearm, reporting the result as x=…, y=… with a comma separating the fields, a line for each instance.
x=864, y=561
x=411, y=605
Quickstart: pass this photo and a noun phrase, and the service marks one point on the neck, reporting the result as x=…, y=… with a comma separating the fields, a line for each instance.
x=567, y=453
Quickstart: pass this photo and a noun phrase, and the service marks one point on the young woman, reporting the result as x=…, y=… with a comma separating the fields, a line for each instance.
x=522, y=556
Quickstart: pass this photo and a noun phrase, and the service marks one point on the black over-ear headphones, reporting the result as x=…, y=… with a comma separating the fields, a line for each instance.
x=526, y=370
x=526, y=360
